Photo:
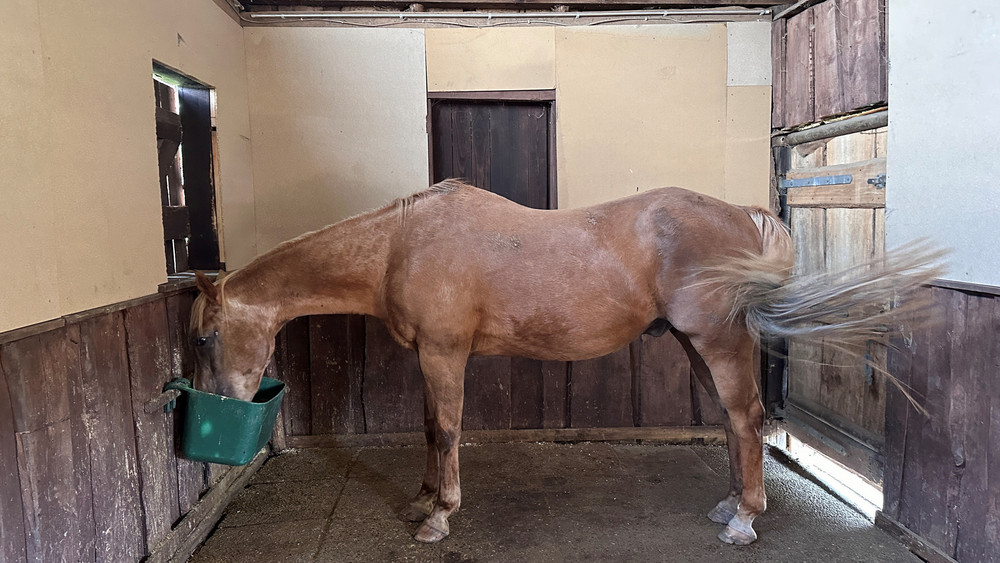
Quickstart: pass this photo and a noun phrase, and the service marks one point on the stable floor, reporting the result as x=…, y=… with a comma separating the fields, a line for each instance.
x=534, y=502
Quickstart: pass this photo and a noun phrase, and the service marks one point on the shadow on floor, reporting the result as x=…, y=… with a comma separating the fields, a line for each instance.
x=534, y=502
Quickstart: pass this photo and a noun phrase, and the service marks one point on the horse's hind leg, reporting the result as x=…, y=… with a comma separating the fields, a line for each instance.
x=444, y=375
x=422, y=504
x=730, y=362
x=724, y=511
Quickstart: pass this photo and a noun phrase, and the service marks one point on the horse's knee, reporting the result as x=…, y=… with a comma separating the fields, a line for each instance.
x=445, y=440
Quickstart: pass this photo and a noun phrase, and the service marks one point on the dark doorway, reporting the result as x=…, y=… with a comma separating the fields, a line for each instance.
x=501, y=145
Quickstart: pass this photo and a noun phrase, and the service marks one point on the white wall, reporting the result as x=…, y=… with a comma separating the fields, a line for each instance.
x=944, y=172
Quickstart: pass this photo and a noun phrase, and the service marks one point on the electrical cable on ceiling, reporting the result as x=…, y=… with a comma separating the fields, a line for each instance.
x=520, y=18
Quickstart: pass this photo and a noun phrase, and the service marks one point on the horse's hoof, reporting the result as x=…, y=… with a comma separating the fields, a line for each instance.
x=429, y=534
x=738, y=537
x=721, y=514
x=413, y=513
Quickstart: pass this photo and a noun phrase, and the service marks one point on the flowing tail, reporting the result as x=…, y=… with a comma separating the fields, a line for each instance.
x=847, y=309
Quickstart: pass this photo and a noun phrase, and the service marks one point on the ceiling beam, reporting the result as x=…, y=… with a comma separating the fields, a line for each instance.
x=261, y=5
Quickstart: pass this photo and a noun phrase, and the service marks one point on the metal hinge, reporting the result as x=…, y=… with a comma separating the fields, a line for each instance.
x=817, y=181
x=878, y=182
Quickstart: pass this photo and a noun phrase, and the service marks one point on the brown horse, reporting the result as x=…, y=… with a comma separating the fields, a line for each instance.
x=455, y=270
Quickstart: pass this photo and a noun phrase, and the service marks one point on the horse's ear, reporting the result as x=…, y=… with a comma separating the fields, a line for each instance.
x=206, y=287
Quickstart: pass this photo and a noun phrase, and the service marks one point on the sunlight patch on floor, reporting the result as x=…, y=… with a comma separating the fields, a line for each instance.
x=858, y=492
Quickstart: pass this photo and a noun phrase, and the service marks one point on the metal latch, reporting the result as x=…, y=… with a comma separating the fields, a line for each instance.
x=878, y=182
x=817, y=181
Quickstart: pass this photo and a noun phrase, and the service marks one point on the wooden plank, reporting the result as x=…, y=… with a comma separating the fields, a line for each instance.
x=43, y=373
x=190, y=474
x=293, y=365
x=336, y=350
x=799, y=96
x=858, y=194
x=918, y=545
x=148, y=343
x=666, y=435
x=393, y=391
x=602, y=391
x=462, y=141
x=936, y=451
x=808, y=228
x=12, y=516
x=910, y=496
x=826, y=60
x=779, y=63
x=897, y=415
x=527, y=393
x=198, y=523
x=992, y=520
x=851, y=148
x=199, y=178
x=518, y=145
x=849, y=242
x=972, y=373
x=664, y=382
x=862, y=44
x=442, y=130
x=497, y=95
x=555, y=383
x=481, y=154
x=110, y=433
x=31, y=330
x=487, y=393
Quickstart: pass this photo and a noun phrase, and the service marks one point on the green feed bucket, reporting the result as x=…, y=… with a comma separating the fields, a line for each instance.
x=225, y=430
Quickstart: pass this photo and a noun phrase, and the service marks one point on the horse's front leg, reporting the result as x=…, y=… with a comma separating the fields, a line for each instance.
x=422, y=504
x=444, y=375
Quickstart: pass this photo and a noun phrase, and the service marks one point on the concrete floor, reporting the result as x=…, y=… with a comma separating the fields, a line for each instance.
x=534, y=502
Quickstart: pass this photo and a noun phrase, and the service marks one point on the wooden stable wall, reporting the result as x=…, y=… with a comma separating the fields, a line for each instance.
x=86, y=474
x=828, y=59
x=346, y=375
x=942, y=474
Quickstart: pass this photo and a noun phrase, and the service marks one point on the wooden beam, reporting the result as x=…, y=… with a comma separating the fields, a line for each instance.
x=916, y=544
x=669, y=435
x=795, y=9
x=250, y=5
x=857, y=194
x=198, y=523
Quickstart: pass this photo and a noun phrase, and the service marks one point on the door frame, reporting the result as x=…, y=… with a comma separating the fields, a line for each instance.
x=548, y=96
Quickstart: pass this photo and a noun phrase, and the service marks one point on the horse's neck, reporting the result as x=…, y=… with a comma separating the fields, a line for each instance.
x=336, y=270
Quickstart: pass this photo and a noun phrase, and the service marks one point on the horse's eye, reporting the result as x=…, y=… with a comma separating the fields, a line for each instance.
x=202, y=341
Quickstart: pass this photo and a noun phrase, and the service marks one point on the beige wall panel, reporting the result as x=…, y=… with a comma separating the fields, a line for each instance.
x=339, y=123
x=85, y=146
x=27, y=255
x=490, y=59
x=101, y=151
x=640, y=107
x=748, y=142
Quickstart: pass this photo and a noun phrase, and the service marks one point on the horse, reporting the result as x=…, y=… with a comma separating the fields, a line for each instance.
x=455, y=271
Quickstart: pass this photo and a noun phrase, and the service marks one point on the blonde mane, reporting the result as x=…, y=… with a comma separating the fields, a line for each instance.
x=197, y=322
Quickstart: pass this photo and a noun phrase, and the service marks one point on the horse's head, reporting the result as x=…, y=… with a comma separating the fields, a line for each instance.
x=232, y=342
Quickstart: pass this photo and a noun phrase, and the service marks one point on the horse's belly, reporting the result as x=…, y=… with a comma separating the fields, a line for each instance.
x=560, y=338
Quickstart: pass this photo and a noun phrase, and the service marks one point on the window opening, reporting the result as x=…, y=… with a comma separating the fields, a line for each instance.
x=187, y=159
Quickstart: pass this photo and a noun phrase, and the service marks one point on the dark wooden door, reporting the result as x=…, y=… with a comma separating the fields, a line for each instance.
x=501, y=146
